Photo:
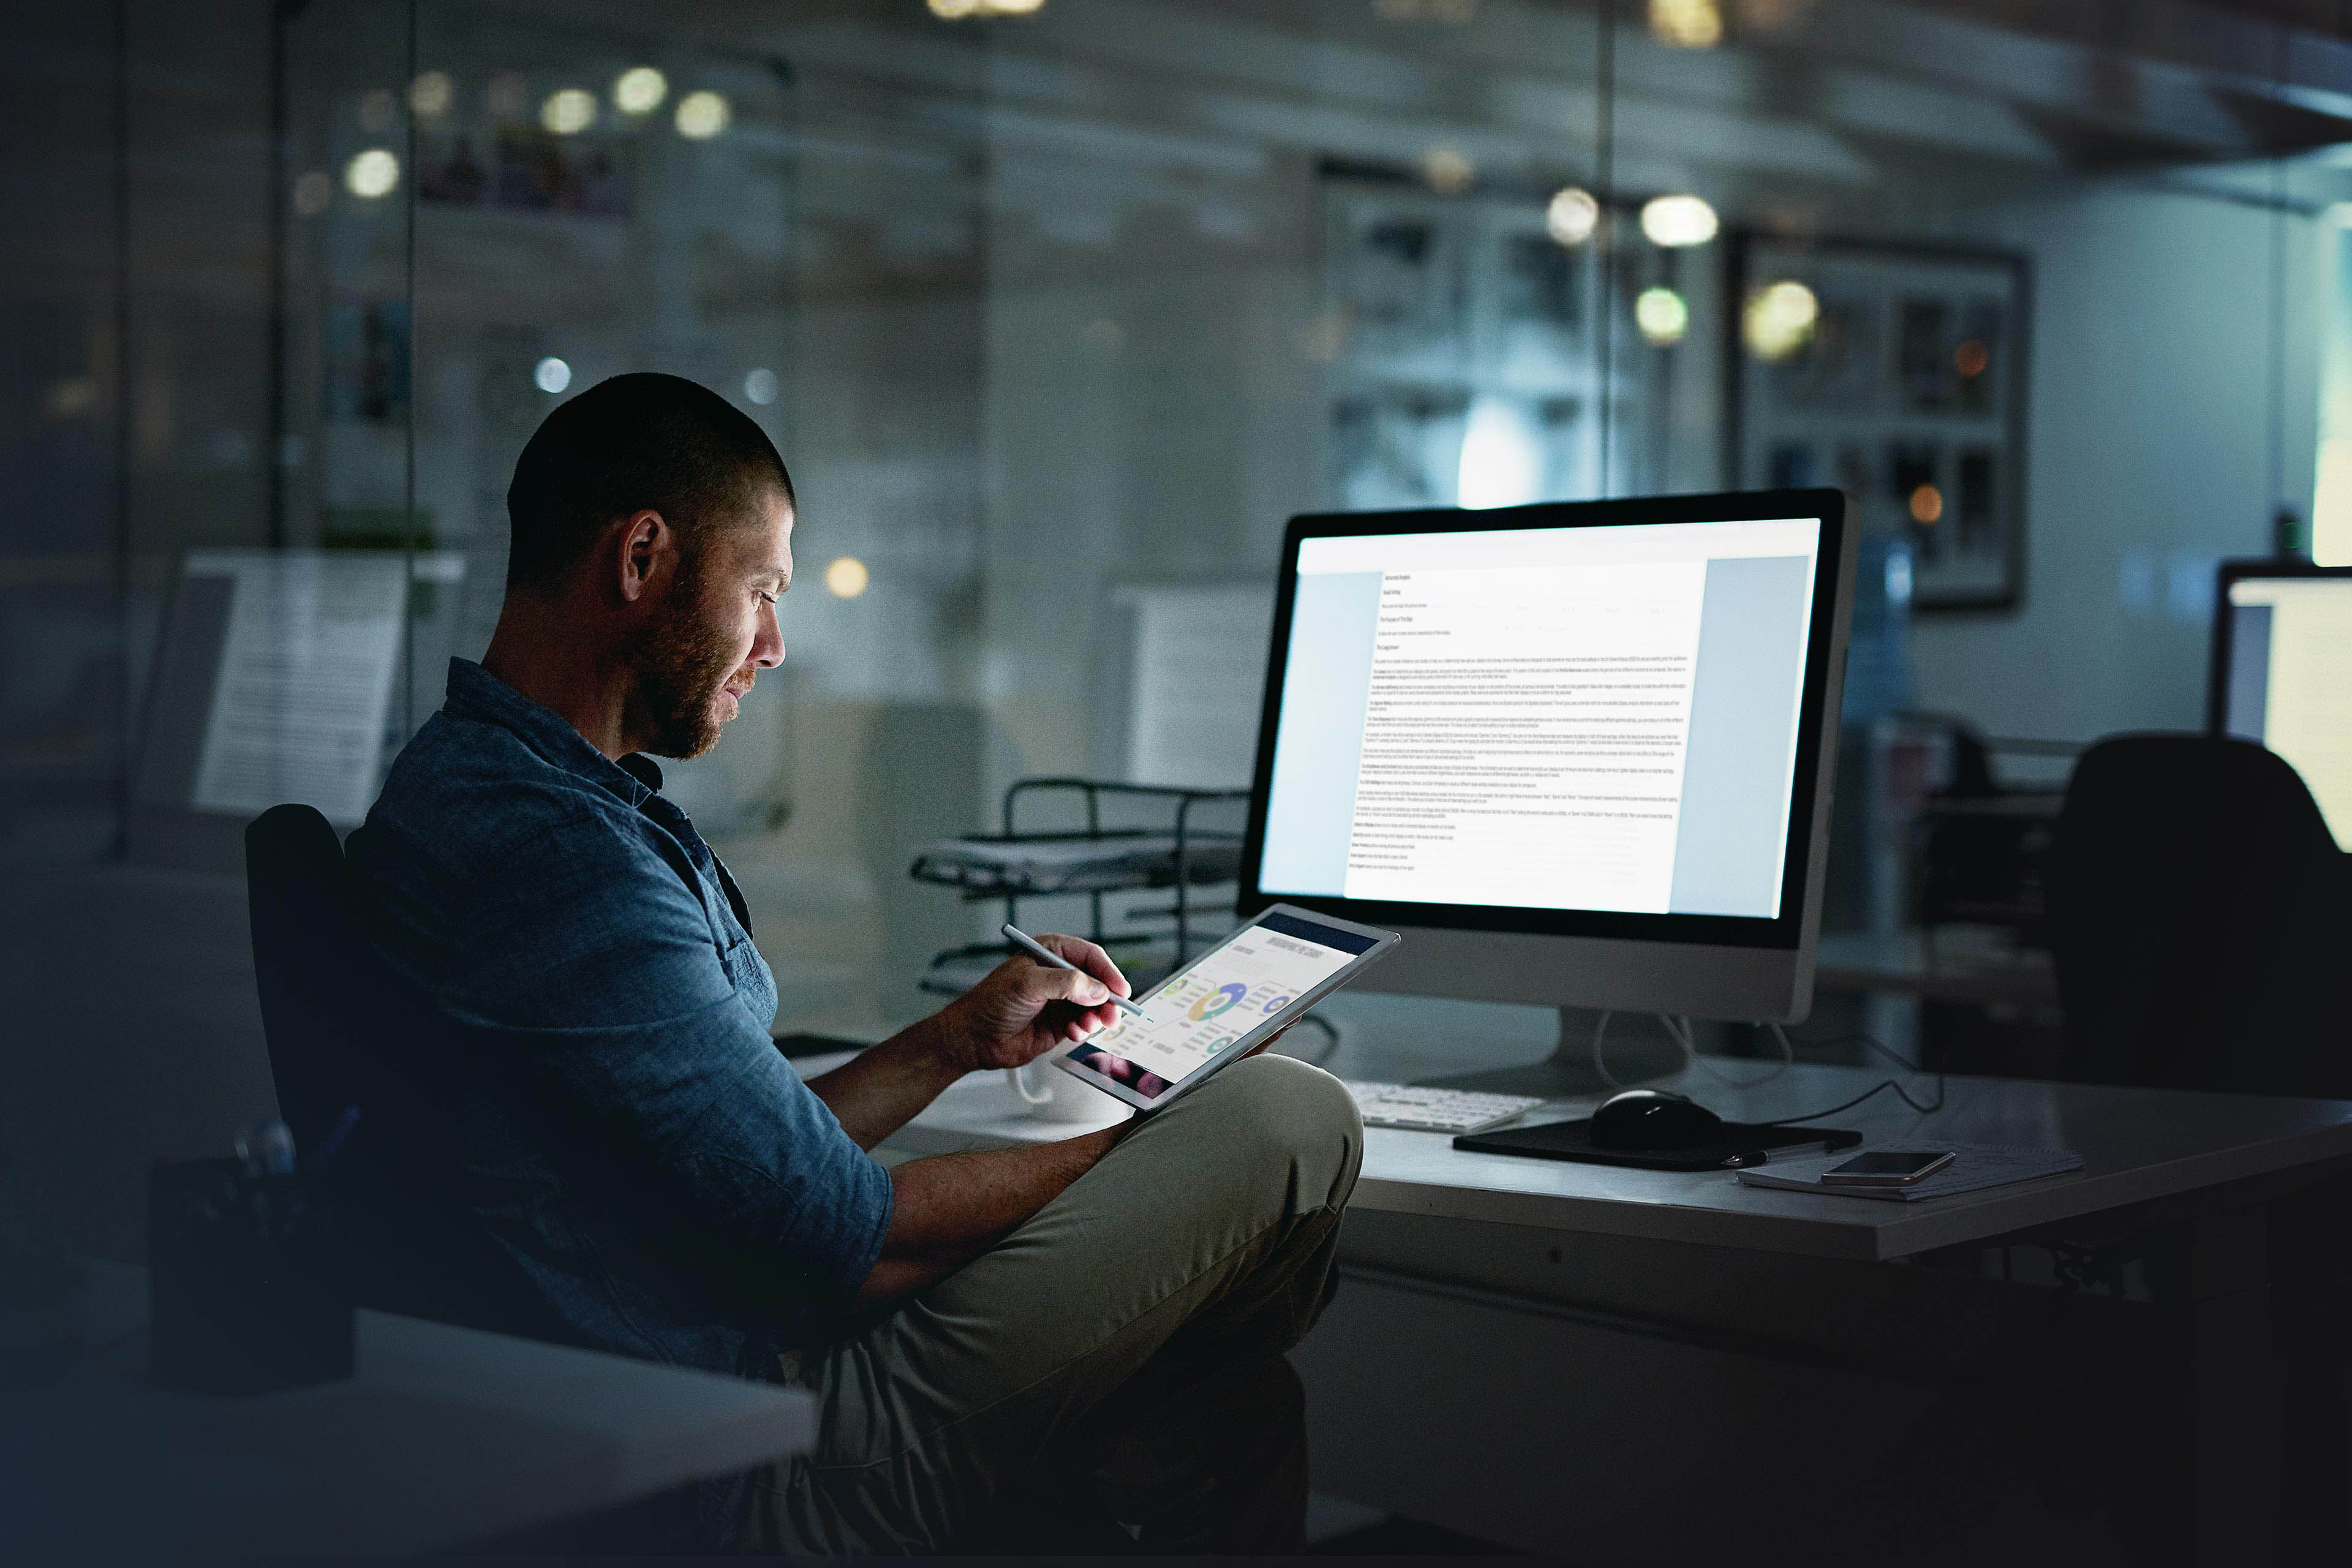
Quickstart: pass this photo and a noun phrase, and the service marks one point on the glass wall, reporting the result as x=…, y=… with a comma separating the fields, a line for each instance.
x=1057, y=312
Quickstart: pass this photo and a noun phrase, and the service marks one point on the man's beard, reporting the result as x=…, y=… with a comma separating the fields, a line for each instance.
x=681, y=664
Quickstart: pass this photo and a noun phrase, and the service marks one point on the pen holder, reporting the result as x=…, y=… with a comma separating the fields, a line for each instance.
x=244, y=1296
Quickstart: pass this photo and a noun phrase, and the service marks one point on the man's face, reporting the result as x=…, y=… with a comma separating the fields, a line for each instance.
x=719, y=631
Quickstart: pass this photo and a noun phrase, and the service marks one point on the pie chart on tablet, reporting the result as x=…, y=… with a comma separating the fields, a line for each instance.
x=1222, y=1000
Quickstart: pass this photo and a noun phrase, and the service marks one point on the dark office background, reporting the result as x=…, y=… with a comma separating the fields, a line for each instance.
x=1057, y=316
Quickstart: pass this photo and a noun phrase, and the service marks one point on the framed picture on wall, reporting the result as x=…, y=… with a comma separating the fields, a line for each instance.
x=1897, y=373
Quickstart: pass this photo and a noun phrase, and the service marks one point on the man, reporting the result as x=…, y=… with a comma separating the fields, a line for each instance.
x=999, y=1341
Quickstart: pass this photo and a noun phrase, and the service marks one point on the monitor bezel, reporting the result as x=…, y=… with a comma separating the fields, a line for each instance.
x=2217, y=669
x=1783, y=933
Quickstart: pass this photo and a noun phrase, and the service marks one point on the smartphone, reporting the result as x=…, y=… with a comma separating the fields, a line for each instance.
x=1888, y=1168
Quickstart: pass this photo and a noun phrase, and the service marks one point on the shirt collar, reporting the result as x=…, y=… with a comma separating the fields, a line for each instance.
x=475, y=693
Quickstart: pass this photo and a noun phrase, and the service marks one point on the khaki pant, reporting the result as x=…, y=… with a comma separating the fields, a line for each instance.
x=1119, y=1357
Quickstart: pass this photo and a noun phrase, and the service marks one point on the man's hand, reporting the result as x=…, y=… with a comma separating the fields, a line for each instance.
x=1024, y=1009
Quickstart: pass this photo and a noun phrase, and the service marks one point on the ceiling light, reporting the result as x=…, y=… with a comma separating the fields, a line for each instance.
x=1676, y=221
x=432, y=94
x=639, y=90
x=1687, y=24
x=1571, y=216
x=1661, y=315
x=371, y=174
x=1778, y=318
x=568, y=110
x=702, y=115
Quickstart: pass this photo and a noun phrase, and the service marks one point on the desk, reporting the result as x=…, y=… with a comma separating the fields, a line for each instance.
x=2208, y=1161
x=441, y=1437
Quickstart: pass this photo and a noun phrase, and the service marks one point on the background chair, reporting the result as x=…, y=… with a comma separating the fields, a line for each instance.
x=345, y=1030
x=2200, y=914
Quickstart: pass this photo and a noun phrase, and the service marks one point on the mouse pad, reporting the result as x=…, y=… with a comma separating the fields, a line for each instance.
x=1738, y=1144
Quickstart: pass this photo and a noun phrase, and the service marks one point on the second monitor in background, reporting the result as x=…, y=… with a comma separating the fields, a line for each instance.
x=2283, y=673
x=1574, y=753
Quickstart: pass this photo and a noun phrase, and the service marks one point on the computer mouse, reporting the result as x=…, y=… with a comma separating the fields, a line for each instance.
x=1653, y=1120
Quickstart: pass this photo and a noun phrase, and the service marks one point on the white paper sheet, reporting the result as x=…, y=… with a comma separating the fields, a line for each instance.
x=305, y=684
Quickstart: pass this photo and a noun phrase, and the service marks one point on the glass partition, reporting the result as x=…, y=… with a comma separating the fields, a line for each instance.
x=1057, y=312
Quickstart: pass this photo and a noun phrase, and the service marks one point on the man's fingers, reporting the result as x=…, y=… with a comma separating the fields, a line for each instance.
x=1069, y=986
x=1077, y=949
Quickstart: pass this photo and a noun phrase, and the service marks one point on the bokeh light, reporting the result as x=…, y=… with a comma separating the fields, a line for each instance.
x=846, y=577
x=1447, y=169
x=1926, y=504
x=568, y=110
x=760, y=385
x=1676, y=221
x=432, y=94
x=371, y=174
x=1687, y=24
x=1778, y=320
x=639, y=90
x=702, y=114
x=1971, y=358
x=1662, y=315
x=1571, y=216
x=1502, y=456
x=550, y=374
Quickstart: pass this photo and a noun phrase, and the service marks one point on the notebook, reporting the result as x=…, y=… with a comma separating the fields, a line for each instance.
x=1977, y=1167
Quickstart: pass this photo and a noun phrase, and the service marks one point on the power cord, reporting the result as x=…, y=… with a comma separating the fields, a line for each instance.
x=1331, y=1039
x=1891, y=1055
x=1679, y=1031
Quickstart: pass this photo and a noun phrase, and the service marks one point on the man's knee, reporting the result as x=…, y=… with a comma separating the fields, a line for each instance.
x=1285, y=1117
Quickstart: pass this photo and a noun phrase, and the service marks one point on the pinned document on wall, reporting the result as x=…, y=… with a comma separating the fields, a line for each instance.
x=309, y=647
x=1198, y=682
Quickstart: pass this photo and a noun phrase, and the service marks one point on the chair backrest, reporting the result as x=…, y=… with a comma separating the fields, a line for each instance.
x=2199, y=911
x=345, y=1030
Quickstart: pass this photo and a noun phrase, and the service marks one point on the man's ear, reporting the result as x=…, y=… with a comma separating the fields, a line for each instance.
x=648, y=549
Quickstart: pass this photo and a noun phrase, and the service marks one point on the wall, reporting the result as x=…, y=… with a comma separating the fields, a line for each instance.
x=2149, y=457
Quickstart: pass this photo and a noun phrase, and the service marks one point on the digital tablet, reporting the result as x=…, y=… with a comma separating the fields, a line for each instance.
x=1257, y=981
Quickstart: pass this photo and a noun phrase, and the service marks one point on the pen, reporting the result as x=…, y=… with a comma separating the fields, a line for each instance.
x=1043, y=955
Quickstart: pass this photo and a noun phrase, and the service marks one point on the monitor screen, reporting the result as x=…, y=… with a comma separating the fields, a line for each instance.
x=2285, y=679
x=1582, y=717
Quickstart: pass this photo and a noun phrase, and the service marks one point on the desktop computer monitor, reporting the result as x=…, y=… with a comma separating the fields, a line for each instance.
x=1580, y=754
x=2283, y=673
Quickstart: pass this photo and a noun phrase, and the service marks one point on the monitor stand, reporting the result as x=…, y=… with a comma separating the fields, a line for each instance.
x=1568, y=1073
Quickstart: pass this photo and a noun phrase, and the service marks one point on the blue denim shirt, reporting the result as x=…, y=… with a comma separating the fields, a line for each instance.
x=651, y=1160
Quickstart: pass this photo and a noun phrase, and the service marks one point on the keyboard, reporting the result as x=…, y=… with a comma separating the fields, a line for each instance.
x=1435, y=1110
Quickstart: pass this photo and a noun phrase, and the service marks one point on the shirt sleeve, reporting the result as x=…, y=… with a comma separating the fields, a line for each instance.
x=589, y=967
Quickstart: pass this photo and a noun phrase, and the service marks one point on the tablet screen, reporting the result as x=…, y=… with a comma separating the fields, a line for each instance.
x=1234, y=988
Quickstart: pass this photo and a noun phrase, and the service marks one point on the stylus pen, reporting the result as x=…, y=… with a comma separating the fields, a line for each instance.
x=1043, y=955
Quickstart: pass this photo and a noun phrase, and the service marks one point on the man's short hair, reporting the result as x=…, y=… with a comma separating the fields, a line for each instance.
x=635, y=442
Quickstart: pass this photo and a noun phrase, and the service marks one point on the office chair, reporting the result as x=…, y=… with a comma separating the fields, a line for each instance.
x=2199, y=913
x=345, y=1030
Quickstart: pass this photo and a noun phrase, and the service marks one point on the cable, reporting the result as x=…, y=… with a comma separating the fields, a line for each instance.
x=1680, y=1030
x=1901, y=1093
x=1600, y=1063
x=1330, y=1036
